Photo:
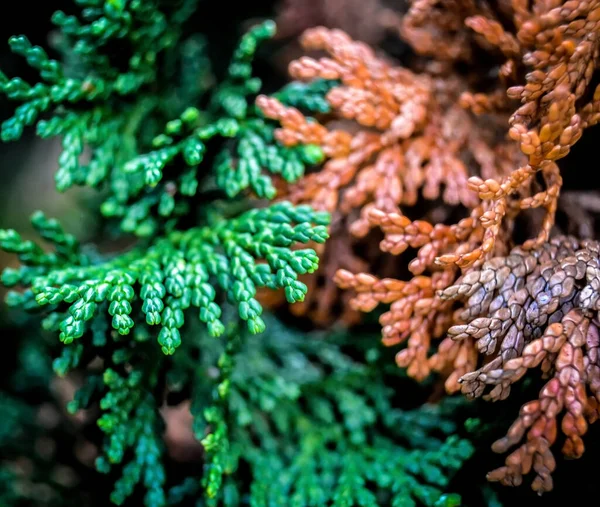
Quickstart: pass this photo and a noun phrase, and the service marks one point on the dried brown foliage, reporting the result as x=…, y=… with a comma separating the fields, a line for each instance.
x=406, y=147
x=396, y=138
x=543, y=67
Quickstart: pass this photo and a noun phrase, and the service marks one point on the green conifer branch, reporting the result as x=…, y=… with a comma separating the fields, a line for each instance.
x=315, y=427
x=151, y=178
x=179, y=271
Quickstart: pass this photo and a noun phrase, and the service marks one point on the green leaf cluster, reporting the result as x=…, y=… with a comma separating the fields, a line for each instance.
x=158, y=284
x=124, y=131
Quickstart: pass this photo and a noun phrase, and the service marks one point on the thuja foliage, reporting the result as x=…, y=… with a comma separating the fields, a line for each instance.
x=146, y=148
x=184, y=163
x=317, y=427
x=170, y=276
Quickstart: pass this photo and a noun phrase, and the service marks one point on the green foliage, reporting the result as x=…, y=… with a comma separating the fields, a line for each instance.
x=315, y=427
x=147, y=147
x=164, y=280
x=106, y=306
x=137, y=25
x=130, y=422
x=308, y=96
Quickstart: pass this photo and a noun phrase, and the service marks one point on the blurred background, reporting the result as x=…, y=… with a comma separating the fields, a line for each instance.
x=27, y=167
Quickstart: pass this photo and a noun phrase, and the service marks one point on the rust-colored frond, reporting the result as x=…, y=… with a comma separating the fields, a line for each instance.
x=543, y=63
x=441, y=163
x=407, y=138
x=393, y=141
x=418, y=316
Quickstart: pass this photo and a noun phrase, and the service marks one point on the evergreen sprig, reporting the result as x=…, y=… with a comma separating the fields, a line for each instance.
x=142, y=27
x=179, y=271
x=130, y=421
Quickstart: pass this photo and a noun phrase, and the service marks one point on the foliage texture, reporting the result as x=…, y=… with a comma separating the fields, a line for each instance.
x=432, y=187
